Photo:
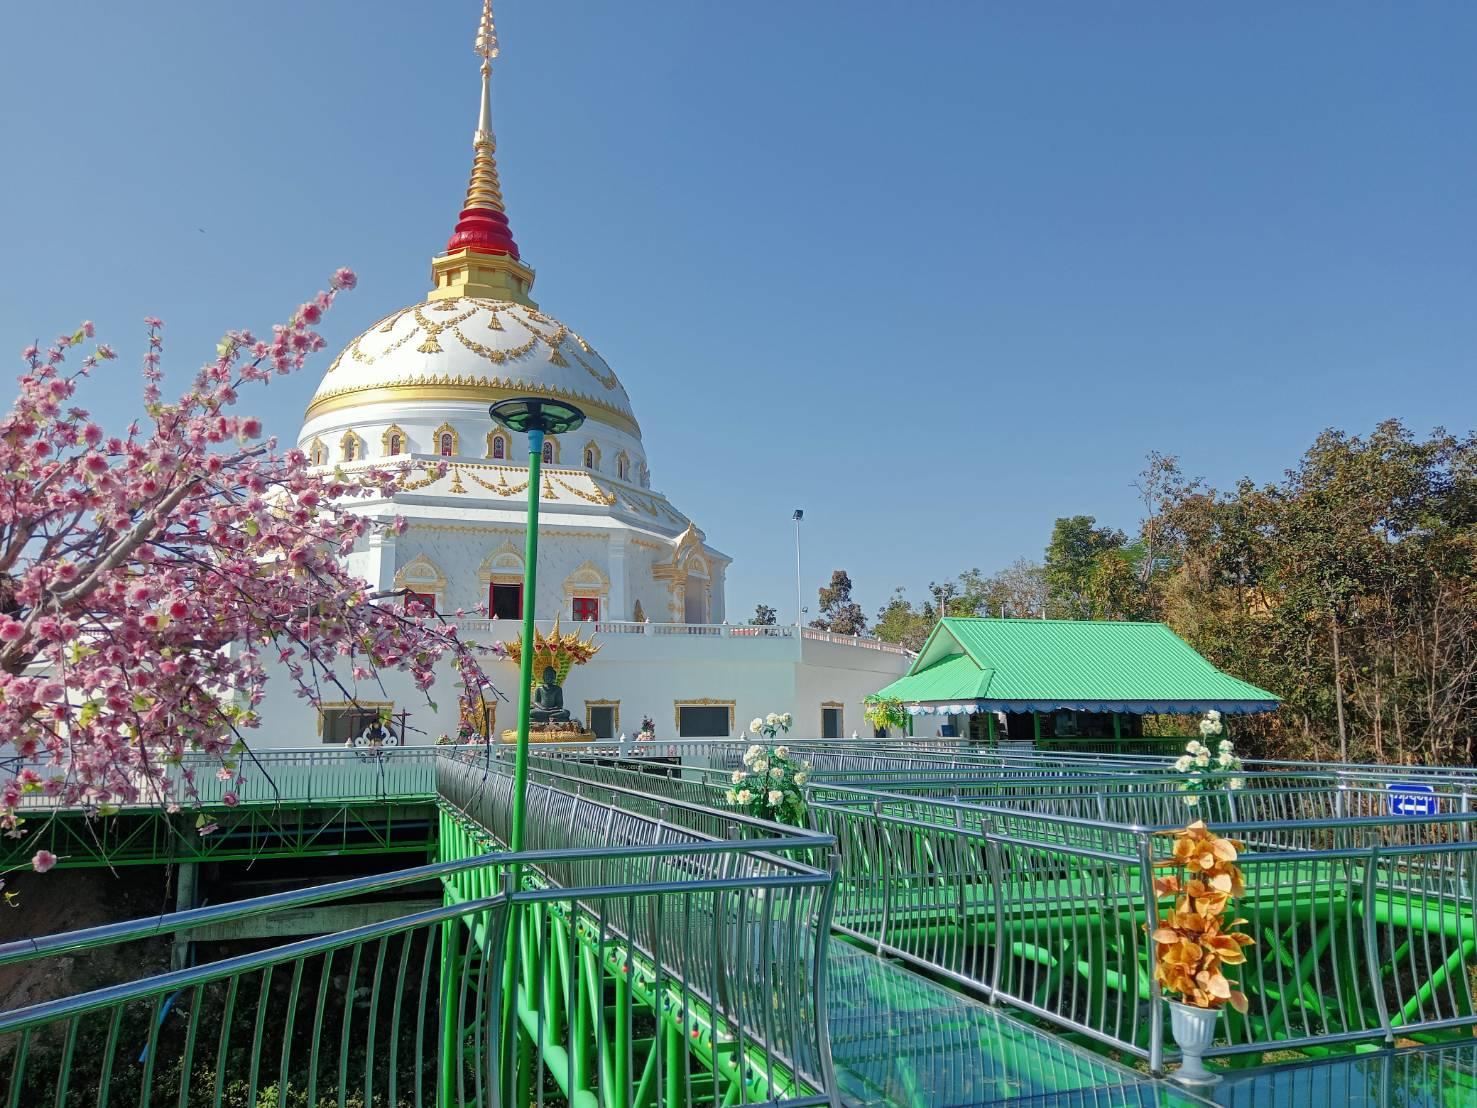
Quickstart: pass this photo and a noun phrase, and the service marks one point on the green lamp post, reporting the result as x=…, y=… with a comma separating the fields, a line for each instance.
x=534, y=417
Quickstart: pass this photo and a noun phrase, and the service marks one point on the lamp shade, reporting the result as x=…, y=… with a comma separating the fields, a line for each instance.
x=536, y=413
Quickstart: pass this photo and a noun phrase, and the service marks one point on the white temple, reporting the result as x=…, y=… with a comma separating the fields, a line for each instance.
x=616, y=558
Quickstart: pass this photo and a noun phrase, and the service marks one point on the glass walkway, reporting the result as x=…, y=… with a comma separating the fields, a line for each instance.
x=899, y=1039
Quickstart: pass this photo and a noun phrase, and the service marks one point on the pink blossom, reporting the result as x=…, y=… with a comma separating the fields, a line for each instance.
x=244, y=558
x=344, y=279
x=310, y=313
x=87, y=328
x=43, y=860
x=230, y=800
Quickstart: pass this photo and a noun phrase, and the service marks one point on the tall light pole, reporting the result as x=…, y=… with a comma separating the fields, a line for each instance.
x=799, y=607
x=535, y=417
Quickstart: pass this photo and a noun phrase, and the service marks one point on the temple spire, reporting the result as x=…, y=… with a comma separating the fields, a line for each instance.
x=481, y=258
x=483, y=226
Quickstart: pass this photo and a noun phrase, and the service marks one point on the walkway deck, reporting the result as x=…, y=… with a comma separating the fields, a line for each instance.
x=901, y=1040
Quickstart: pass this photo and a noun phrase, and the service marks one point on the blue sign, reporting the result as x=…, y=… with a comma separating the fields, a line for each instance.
x=1413, y=800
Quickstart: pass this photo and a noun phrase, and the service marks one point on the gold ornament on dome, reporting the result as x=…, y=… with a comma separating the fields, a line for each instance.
x=502, y=487
x=433, y=332
x=600, y=496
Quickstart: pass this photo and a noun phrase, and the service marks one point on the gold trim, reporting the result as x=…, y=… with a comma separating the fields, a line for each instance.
x=391, y=430
x=492, y=436
x=318, y=453
x=551, y=451
x=456, y=441
x=419, y=572
x=489, y=575
x=700, y=702
x=476, y=390
x=590, y=455
x=615, y=724
x=352, y=439
x=472, y=529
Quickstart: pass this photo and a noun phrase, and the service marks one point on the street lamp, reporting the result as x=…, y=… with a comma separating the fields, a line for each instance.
x=799, y=611
x=535, y=417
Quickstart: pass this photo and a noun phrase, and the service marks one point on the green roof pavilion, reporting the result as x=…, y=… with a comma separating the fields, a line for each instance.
x=1058, y=665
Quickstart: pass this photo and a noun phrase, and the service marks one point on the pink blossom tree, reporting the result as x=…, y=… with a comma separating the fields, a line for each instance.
x=146, y=578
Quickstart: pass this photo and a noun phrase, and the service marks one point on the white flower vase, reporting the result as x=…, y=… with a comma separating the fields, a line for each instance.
x=1194, y=1031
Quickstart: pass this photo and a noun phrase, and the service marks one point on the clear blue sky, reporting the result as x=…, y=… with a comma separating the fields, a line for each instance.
x=937, y=272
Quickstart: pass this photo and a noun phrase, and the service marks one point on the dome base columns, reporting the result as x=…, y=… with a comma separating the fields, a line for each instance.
x=468, y=272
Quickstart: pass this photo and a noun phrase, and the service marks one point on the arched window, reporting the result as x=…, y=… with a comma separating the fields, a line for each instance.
x=548, y=453
x=589, y=457
x=349, y=445
x=444, y=438
x=499, y=447
x=393, y=440
x=623, y=466
x=318, y=453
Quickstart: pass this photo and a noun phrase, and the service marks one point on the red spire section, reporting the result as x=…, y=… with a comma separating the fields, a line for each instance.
x=484, y=230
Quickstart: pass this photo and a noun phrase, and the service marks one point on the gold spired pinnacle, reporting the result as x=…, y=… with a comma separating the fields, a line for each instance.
x=481, y=257
x=484, y=190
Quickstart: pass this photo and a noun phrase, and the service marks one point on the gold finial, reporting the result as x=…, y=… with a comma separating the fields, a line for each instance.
x=484, y=190
x=481, y=258
x=486, y=35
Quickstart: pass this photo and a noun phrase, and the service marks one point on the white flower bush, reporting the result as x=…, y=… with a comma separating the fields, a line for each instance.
x=1207, y=768
x=769, y=785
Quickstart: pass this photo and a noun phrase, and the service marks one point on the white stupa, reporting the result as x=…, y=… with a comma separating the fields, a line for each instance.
x=414, y=390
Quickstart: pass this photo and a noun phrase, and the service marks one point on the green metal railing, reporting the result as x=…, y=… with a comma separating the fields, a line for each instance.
x=653, y=964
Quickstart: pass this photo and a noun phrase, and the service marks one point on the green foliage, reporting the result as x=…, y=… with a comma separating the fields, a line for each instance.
x=886, y=713
x=764, y=616
x=1349, y=588
x=839, y=613
x=1089, y=572
x=899, y=622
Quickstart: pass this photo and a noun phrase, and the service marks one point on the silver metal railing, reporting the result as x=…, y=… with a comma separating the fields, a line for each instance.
x=743, y=959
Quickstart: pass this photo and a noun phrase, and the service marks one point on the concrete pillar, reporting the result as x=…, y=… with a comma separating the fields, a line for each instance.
x=381, y=571
x=619, y=609
x=187, y=896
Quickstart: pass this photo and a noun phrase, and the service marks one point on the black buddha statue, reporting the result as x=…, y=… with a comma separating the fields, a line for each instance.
x=548, y=701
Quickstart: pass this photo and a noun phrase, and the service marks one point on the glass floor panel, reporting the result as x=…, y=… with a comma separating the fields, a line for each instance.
x=1416, y=1077
x=900, y=1039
